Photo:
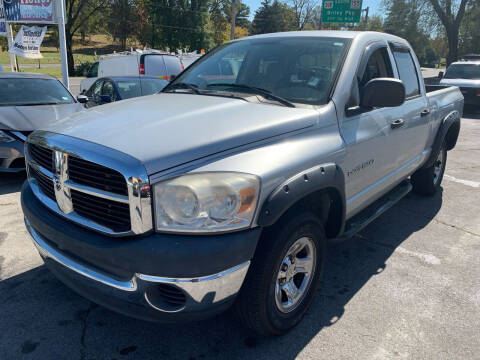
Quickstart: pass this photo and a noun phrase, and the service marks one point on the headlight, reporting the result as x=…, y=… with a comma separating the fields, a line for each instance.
x=206, y=202
x=5, y=138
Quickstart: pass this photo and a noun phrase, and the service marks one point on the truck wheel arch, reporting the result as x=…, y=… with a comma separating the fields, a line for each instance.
x=448, y=132
x=321, y=189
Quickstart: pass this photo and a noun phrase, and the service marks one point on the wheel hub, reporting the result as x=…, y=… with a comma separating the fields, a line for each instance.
x=295, y=274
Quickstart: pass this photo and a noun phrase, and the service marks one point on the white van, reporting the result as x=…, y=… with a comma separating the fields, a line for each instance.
x=152, y=64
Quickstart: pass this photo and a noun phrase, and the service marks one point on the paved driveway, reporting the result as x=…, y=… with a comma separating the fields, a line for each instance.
x=407, y=287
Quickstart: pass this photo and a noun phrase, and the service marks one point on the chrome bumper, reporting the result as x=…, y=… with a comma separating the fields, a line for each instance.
x=201, y=293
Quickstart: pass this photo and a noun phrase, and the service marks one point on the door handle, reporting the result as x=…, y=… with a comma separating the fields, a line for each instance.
x=397, y=123
x=425, y=112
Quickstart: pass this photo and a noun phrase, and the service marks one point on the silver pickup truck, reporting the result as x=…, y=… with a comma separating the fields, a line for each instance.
x=225, y=188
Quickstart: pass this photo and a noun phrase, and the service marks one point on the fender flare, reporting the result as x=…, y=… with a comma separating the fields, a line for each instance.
x=450, y=123
x=299, y=186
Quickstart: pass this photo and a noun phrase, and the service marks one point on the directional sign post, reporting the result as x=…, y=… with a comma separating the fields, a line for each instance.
x=341, y=11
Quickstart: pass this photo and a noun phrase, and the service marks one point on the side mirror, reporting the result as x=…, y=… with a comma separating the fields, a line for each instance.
x=383, y=92
x=82, y=99
x=172, y=77
x=105, y=99
x=440, y=74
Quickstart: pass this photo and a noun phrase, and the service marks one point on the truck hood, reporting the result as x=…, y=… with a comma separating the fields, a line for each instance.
x=166, y=130
x=461, y=82
x=29, y=118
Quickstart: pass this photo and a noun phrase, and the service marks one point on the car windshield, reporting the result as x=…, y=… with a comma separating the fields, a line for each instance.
x=463, y=71
x=24, y=92
x=297, y=69
x=134, y=88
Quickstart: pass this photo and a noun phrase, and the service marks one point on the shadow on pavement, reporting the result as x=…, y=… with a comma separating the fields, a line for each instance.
x=11, y=182
x=46, y=320
x=471, y=112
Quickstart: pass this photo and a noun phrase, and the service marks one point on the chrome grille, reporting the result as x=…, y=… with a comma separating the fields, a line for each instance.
x=42, y=156
x=110, y=213
x=98, y=176
x=78, y=180
x=44, y=183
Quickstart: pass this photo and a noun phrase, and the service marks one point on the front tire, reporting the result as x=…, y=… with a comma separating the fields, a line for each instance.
x=284, y=275
x=427, y=181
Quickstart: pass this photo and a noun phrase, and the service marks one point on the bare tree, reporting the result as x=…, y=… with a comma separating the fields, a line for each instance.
x=77, y=13
x=304, y=10
x=445, y=10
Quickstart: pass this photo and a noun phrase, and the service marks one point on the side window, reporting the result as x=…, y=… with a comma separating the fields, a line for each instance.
x=93, y=71
x=407, y=71
x=378, y=66
x=96, y=88
x=173, y=64
x=109, y=90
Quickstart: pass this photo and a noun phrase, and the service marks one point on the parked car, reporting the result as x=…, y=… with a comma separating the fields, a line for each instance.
x=153, y=64
x=224, y=189
x=465, y=75
x=28, y=102
x=111, y=89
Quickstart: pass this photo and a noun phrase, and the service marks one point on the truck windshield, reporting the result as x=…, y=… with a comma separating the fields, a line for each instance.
x=298, y=69
x=24, y=92
x=463, y=71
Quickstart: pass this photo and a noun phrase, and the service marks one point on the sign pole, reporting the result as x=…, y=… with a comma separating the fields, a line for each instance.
x=63, y=44
x=366, y=18
x=13, y=58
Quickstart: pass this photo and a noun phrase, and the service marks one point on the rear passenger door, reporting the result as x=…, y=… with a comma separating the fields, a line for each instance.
x=416, y=110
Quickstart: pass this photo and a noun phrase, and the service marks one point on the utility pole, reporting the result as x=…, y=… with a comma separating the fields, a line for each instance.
x=366, y=18
x=232, y=21
x=63, y=44
x=13, y=57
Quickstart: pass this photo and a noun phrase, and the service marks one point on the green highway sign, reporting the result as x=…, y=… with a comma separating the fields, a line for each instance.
x=341, y=11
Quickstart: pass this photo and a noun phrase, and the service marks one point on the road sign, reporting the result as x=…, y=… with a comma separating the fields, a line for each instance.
x=342, y=11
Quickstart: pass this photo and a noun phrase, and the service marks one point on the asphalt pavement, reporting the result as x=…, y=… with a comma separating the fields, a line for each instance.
x=406, y=287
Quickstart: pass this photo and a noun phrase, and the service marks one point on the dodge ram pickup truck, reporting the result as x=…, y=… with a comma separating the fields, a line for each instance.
x=225, y=188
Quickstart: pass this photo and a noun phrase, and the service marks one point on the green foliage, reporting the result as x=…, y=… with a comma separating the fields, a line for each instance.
x=470, y=31
x=404, y=20
x=273, y=17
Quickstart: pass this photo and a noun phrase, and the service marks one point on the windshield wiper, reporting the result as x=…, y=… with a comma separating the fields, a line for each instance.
x=182, y=85
x=263, y=92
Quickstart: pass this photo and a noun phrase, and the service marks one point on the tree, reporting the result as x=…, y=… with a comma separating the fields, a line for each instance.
x=78, y=12
x=404, y=20
x=451, y=23
x=273, y=17
x=303, y=10
x=121, y=20
x=469, y=37
x=375, y=23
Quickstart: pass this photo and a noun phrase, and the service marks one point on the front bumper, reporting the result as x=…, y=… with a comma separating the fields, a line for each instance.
x=144, y=295
x=12, y=156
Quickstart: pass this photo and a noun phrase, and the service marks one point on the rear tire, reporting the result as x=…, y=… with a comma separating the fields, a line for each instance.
x=426, y=181
x=284, y=275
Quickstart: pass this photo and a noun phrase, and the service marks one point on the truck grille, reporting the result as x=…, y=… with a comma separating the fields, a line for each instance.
x=42, y=156
x=110, y=208
x=111, y=214
x=44, y=183
x=97, y=176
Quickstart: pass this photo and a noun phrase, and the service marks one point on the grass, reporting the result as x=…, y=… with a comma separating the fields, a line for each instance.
x=82, y=52
x=57, y=72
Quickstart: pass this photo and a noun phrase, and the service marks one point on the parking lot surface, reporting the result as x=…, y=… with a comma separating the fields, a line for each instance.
x=408, y=286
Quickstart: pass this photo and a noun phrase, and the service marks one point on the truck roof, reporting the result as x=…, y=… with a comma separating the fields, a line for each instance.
x=373, y=35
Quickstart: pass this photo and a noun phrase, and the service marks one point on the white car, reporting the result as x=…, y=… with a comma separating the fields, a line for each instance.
x=152, y=64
